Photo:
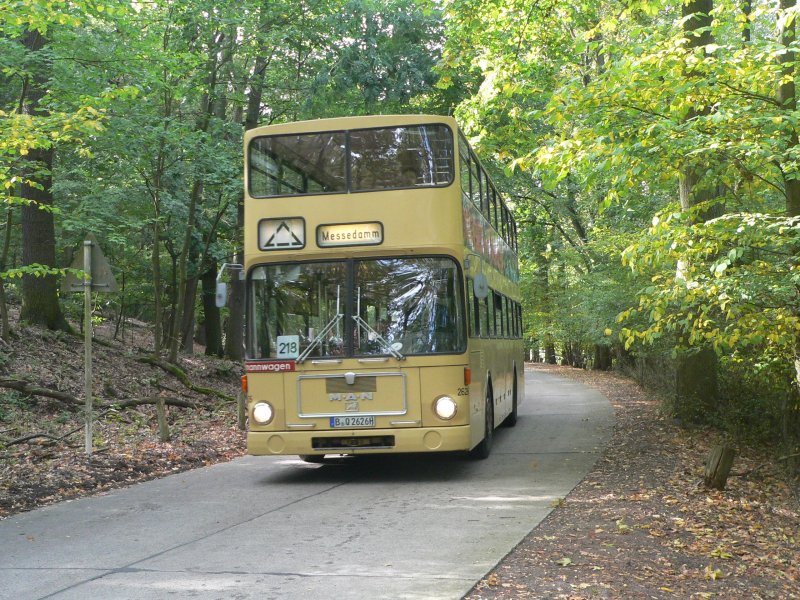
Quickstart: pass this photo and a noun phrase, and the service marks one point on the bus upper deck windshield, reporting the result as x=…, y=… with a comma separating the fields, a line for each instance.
x=357, y=160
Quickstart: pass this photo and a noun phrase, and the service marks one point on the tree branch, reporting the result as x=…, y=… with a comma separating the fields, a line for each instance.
x=181, y=375
x=27, y=387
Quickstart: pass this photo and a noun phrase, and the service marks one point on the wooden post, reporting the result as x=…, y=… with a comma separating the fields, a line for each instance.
x=163, y=426
x=87, y=343
x=718, y=466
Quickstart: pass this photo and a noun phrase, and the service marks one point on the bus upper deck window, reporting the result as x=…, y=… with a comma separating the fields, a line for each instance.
x=285, y=165
x=358, y=160
x=401, y=157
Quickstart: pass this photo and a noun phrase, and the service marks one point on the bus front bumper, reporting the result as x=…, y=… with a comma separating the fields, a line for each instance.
x=359, y=441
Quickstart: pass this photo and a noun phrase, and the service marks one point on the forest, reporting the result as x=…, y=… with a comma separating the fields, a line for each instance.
x=648, y=148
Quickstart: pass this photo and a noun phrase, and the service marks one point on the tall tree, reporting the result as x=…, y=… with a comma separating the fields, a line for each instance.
x=787, y=99
x=39, y=293
x=696, y=387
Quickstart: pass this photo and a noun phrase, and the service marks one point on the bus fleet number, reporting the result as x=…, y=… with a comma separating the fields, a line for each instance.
x=288, y=346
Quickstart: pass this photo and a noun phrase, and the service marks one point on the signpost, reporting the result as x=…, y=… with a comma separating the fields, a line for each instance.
x=97, y=277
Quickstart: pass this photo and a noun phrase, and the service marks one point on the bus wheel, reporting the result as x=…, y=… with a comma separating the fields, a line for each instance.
x=511, y=419
x=484, y=449
x=312, y=458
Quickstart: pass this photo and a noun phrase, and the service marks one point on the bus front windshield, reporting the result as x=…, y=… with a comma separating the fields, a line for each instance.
x=367, y=307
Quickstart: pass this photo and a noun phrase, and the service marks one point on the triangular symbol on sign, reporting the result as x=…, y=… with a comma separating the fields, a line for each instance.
x=283, y=237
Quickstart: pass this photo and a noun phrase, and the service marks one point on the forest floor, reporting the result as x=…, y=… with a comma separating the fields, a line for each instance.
x=640, y=525
x=42, y=439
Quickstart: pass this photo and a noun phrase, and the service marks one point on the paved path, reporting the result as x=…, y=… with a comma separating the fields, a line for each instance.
x=420, y=526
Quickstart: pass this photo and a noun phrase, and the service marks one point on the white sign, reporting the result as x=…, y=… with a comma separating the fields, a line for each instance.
x=288, y=346
x=350, y=234
x=282, y=234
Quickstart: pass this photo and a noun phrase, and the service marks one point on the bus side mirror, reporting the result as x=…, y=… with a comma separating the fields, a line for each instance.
x=221, y=297
x=480, y=286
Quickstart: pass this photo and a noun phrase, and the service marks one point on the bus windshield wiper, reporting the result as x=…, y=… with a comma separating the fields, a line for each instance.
x=377, y=336
x=320, y=337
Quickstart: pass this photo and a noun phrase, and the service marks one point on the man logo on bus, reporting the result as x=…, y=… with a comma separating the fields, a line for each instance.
x=351, y=396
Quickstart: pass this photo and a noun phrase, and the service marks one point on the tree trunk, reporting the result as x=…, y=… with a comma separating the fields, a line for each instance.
x=787, y=97
x=602, y=358
x=234, y=336
x=158, y=309
x=211, y=318
x=549, y=351
x=696, y=388
x=39, y=294
x=747, y=9
x=188, y=318
x=206, y=109
x=696, y=372
x=5, y=327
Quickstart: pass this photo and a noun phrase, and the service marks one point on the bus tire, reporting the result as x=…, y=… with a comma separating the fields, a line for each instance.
x=312, y=458
x=484, y=448
x=511, y=419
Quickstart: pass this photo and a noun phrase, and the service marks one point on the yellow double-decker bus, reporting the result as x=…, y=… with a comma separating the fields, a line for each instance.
x=383, y=310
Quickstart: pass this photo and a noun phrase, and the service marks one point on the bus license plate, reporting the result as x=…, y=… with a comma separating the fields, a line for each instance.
x=351, y=422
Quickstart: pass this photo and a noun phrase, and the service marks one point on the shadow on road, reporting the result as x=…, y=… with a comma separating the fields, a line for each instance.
x=382, y=468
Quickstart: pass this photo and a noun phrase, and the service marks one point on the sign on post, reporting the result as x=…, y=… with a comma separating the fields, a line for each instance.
x=102, y=279
x=99, y=278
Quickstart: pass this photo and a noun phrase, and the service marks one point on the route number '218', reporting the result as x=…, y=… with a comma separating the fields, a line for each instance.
x=288, y=346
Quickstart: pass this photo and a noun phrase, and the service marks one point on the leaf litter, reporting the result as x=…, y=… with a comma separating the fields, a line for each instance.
x=641, y=524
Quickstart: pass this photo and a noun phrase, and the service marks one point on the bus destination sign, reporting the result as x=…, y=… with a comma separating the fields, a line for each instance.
x=350, y=234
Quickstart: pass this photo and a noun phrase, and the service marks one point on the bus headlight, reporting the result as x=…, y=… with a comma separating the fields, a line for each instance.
x=263, y=413
x=445, y=407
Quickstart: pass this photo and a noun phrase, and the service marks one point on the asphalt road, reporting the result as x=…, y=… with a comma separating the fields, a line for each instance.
x=416, y=526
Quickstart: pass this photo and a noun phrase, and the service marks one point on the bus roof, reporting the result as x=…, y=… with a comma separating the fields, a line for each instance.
x=343, y=123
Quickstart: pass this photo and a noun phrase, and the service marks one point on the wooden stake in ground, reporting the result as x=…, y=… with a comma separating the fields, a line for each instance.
x=718, y=466
x=163, y=426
